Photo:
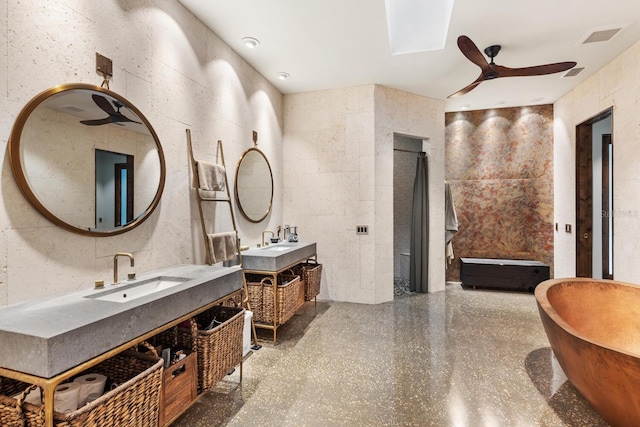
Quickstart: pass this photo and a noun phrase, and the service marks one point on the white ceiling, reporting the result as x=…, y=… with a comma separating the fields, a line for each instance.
x=340, y=43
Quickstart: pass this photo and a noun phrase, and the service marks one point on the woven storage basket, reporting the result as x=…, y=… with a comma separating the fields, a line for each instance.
x=12, y=413
x=256, y=295
x=311, y=274
x=262, y=300
x=219, y=349
x=133, y=402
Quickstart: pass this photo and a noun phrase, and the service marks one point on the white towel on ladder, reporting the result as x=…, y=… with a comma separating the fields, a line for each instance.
x=223, y=246
x=211, y=177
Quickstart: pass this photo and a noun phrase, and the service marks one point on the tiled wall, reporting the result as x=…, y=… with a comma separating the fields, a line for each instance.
x=338, y=173
x=500, y=167
x=180, y=75
x=616, y=85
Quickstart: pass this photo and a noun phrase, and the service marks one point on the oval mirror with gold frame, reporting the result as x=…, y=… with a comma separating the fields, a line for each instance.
x=87, y=159
x=254, y=185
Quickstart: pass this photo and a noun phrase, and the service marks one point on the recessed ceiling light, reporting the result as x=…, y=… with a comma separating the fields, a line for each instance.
x=283, y=75
x=250, y=42
x=537, y=99
x=465, y=107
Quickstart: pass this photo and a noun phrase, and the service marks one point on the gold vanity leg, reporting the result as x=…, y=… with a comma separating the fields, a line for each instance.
x=48, y=389
x=275, y=307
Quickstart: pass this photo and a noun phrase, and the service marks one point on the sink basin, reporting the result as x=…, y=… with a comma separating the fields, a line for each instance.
x=281, y=246
x=125, y=293
x=276, y=248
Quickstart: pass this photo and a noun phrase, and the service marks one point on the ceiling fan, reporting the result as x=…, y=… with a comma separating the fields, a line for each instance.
x=115, y=116
x=490, y=70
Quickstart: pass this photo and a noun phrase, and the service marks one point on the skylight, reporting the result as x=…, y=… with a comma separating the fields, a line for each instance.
x=417, y=25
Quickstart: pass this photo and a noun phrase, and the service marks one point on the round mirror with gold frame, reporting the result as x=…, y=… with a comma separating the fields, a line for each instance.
x=87, y=159
x=254, y=185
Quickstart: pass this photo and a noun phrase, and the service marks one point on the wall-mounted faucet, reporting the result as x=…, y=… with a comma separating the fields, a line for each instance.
x=263, y=233
x=115, y=264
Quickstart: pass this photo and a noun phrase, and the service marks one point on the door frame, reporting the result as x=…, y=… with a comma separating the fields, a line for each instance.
x=607, y=195
x=584, y=195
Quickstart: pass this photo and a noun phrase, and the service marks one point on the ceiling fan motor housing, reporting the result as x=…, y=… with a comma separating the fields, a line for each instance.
x=492, y=51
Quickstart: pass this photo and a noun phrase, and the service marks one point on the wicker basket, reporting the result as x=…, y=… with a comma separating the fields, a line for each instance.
x=219, y=349
x=256, y=295
x=12, y=413
x=133, y=402
x=311, y=274
x=262, y=300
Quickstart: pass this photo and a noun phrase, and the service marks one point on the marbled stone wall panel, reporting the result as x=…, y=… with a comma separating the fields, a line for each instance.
x=500, y=167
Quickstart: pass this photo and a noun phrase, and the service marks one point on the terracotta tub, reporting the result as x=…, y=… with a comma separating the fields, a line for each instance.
x=593, y=327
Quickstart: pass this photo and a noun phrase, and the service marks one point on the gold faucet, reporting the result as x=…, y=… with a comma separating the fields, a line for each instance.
x=115, y=264
x=263, y=233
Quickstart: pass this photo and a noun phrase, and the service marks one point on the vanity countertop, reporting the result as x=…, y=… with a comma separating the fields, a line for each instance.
x=275, y=257
x=48, y=336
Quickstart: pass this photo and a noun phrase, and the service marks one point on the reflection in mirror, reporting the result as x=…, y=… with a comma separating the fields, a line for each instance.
x=254, y=185
x=87, y=159
x=114, y=189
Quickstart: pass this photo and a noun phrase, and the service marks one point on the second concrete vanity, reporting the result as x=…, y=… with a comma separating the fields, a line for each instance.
x=274, y=259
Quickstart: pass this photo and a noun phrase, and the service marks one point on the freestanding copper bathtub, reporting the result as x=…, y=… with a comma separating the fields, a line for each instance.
x=593, y=327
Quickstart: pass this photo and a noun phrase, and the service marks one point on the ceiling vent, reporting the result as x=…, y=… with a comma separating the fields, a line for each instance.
x=573, y=72
x=601, y=34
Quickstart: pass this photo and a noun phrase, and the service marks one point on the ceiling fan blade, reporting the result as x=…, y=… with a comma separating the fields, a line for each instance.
x=104, y=104
x=468, y=88
x=471, y=51
x=97, y=122
x=539, y=70
x=119, y=117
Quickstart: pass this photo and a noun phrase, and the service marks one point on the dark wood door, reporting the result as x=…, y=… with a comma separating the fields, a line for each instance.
x=584, y=198
x=584, y=201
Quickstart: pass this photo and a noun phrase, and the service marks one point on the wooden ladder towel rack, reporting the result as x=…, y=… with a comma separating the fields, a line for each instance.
x=226, y=198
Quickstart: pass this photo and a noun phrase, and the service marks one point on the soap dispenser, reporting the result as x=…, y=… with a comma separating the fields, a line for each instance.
x=293, y=235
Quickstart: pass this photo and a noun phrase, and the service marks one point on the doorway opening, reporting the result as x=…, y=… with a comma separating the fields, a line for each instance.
x=406, y=151
x=114, y=189
x=594, y=197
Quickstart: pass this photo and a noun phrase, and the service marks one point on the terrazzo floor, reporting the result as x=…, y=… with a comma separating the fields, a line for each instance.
x=455, y=358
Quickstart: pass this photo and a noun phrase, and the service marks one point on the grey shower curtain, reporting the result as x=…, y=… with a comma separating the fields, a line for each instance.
x=419, y=260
